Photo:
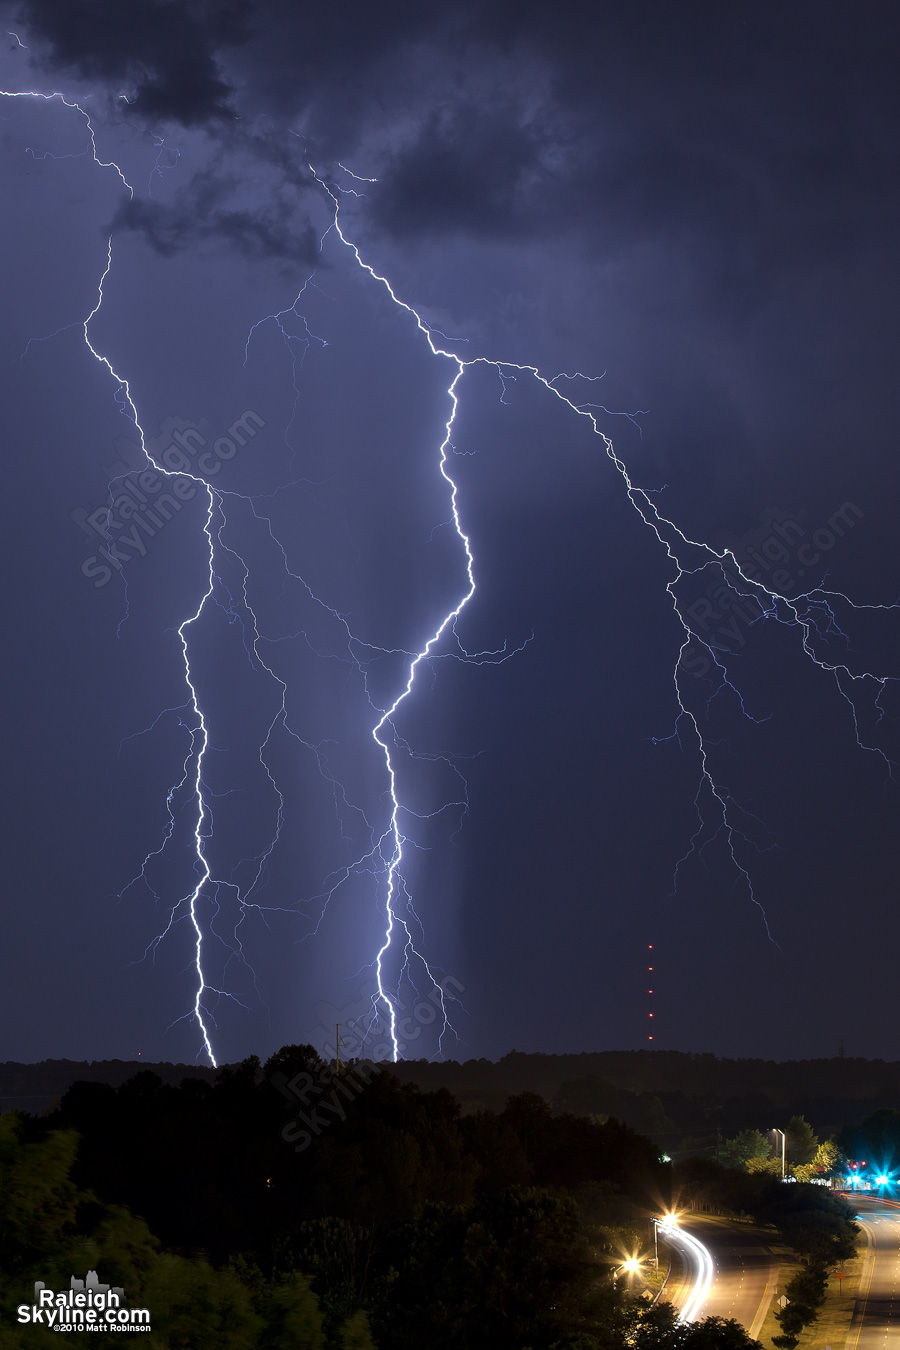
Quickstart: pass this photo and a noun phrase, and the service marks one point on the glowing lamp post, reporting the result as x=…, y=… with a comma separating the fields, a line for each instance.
x=631, y=1265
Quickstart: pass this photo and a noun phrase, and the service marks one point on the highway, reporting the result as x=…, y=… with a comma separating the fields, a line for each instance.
x=726, y=1272
x=876, y=1317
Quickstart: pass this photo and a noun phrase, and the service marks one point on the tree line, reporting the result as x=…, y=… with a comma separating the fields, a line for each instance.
x=290, y=1204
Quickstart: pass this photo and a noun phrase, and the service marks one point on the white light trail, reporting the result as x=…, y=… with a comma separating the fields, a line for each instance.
x=700, y=1260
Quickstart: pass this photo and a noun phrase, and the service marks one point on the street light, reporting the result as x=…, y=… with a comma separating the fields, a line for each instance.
x=781, y=1132
x=631, y=1265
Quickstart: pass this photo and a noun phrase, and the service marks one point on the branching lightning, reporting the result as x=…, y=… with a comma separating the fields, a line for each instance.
x=199, y=734
x=812, y=616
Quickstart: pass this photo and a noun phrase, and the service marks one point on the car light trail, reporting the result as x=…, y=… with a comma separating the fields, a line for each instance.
x=701, y=1262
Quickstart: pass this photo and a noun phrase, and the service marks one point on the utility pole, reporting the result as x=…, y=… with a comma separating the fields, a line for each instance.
x=337, y=1047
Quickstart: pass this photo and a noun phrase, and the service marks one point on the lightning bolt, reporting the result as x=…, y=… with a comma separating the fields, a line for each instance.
x=199, y=733
x=812, y=616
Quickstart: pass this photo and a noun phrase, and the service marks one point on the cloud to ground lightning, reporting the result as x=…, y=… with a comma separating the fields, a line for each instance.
x=818, y=619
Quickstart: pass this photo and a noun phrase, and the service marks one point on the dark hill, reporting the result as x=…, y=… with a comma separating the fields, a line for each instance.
x=667, y=1094
x=35, y=1088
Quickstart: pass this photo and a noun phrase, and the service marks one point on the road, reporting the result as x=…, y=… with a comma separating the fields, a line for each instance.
x=727, y=1272
x=876, y=1317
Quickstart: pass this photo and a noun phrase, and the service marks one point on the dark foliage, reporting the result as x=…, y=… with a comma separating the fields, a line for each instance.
x=492, y=1229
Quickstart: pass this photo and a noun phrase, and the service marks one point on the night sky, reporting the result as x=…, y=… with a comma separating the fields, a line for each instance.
x=694, y=205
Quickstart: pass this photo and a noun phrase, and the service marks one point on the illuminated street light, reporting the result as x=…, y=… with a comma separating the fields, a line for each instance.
x=781, y=1132
x=632, y=1265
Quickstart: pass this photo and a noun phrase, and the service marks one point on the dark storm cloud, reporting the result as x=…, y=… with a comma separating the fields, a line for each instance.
x=472, y=171
x=161, y=52
x=709, y=127
x=203, y=214
x=341, y=67
x=731, y=133
x=741, y=138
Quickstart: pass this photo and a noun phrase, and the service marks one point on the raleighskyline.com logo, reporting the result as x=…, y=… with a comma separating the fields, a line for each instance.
x=87, y=1305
